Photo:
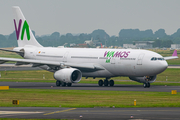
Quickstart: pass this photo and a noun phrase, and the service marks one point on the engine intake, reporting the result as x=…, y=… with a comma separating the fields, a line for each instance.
x=68, y=75
x=144, y=79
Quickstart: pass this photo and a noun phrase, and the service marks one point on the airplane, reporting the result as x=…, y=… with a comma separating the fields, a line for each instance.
x=69, y=65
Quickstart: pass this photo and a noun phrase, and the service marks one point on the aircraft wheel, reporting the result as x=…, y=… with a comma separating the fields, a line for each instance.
x=105, y=82
x=145, y=85
x=63, y=84
x=69, y=84
x=100, y=83
x=148, y=84
x=58, y=83
x=111, y=82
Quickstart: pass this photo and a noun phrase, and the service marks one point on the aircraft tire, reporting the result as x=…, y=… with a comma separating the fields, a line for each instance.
x=145, y=85
x=111, y=82
x=63, y=84
x=69, y=84
x=148, y=84
x=58, y=83
x=105, y=82
x=100, y=83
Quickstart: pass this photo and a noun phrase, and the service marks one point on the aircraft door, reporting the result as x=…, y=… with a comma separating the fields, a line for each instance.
x=112, y=60
x=65, y=57
x=139, y=60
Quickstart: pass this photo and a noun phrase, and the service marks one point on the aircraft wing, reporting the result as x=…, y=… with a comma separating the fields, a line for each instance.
x=87, y=66
x=174, y=56
x=11, y=51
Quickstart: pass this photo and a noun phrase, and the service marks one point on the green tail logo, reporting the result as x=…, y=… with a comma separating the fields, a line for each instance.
x=25, y=28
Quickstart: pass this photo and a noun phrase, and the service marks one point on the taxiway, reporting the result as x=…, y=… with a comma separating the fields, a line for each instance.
x=91, y=113
x=80, y=86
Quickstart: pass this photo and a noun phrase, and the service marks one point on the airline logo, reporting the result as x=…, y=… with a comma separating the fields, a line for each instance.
x=116, y=54
x=25, y=27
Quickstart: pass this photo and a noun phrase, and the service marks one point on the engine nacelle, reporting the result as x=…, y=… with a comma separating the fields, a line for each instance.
x=68, y=75
x=144, y=79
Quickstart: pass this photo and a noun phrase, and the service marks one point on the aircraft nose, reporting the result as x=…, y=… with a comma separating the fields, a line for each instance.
x=162, y=66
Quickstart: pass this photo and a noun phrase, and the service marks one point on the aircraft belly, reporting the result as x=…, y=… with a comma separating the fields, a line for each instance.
x=145, y=70
x=100, y=73
x=125, y=70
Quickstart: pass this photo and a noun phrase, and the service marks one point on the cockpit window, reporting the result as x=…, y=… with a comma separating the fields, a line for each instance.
x=154, y=58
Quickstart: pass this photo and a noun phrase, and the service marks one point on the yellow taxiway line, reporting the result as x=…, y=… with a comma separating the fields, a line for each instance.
x=60, y=111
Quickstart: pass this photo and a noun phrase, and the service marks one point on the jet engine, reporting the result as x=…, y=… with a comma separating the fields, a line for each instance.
x=144, y=79
x=68, y=75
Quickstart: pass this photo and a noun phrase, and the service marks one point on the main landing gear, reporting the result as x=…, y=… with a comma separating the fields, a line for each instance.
x=146, y=85
x=59, y=83
x=106, y=82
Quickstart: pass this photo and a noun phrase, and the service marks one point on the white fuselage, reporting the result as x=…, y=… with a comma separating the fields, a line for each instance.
x=116, y=62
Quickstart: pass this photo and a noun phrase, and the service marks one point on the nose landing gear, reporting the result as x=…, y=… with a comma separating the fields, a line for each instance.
x=146, y=85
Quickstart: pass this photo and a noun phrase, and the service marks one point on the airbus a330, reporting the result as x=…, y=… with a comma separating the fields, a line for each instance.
x=69, y=65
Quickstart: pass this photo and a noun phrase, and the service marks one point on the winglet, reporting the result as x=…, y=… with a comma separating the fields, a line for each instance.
x=174, y=53
x=174, y=56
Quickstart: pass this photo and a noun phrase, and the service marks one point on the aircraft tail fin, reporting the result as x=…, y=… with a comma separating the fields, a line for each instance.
x=23, y=32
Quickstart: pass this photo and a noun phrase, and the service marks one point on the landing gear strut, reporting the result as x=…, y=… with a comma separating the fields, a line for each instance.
x=146, y=85
x=106, y=82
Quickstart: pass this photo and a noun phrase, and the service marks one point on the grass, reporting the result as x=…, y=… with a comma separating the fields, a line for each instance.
x=86, y=98
x=9, y=54
x=169, y=77
x=30, y=75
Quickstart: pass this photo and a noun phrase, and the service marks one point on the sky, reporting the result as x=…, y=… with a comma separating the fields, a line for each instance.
x=85, y=16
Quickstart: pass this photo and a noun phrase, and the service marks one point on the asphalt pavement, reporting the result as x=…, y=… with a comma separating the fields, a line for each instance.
x=88, y=113
x=91, y=113
x=80, y=86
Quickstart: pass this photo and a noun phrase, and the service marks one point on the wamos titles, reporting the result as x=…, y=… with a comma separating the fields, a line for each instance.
x=118, y=54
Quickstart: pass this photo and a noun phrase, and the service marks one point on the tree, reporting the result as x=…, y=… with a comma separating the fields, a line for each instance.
x=3, y=41
x=160, y=33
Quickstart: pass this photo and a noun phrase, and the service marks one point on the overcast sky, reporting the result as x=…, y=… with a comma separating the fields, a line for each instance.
x=85, y=16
